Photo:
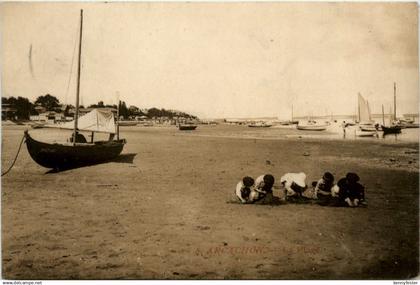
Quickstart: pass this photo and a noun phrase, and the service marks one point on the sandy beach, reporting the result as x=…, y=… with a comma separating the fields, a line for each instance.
x=163, y=210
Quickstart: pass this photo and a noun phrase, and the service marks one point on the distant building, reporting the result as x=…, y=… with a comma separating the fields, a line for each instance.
x=49, y=117
x=40, y=109
x=83, y=111
x=8, y=112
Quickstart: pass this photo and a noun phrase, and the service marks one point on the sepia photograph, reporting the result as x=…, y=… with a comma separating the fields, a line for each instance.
x=209, y=140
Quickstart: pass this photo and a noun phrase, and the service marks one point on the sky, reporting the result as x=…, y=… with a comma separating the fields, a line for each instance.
x=216, y=60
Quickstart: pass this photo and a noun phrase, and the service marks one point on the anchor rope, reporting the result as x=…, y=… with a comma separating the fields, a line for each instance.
x=13, y=163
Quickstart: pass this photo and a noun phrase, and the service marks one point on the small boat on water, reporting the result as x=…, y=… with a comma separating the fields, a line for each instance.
x=366, y=124
x=127, y=123
x=391, y=130
x=187, y=127
x=360, y=132
x=78, y=152
x=311, y=125
x=368, y=128
x=259, y=125
x=411, y=126
x=146, y=124
x=289, y=123
x=394, y=127
x=404, y=124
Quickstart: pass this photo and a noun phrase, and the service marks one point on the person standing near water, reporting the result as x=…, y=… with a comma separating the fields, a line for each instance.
x=344, y=125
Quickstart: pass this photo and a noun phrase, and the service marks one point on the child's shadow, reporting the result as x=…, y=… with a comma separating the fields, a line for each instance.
x=276, y=201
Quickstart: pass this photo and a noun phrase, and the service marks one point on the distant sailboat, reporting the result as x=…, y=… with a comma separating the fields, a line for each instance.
x=290, y=122
x=79, y=152
x=366, y=126
x=364, y=115
x=394, y=128
x=293, y=121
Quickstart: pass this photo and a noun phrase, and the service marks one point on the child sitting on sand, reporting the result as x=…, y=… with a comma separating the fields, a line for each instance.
x=324, y=185
x=263, y=190
x=294, y=184
x=351, y=193
x=244, y=189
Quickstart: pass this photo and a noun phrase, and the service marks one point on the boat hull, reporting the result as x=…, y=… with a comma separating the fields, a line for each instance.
x=408, y=125
x=127, y=123
x=391, y=130
x=412, y=126
x=311, y=128
x=368, y=128
x=259, y=126
x=61, y=156
x=363, y=133
x=187, y=128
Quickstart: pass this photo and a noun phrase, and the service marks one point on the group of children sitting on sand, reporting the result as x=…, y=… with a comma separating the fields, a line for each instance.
x=347, y=192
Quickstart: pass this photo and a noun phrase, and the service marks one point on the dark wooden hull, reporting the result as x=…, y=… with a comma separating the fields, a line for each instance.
x=391, y=130
x=259, y=126
x=187, y=127
x=409, y=126
x=60, y=156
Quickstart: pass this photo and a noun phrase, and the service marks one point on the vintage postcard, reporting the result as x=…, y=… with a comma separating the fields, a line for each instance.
x=217, y=140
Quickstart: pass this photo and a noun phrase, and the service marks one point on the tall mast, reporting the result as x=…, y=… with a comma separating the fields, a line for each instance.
x=383, y=115
x=395, y=102
x=76, y=114
x=292, y=112
x=358, y=107
x=118, y=120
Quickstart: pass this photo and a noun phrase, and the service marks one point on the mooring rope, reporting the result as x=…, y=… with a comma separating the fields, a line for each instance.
x=13, y=163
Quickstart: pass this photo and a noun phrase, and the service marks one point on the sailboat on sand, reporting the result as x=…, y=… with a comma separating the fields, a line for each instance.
x=79, y=152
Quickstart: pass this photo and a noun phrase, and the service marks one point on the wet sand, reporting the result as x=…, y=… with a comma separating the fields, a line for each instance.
x=162, y=211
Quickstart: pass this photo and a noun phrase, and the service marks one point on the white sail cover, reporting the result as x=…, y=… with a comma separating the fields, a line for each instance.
x=364, y=111
x=97, y=120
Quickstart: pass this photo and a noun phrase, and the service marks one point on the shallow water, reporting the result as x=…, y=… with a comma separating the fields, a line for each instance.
x=406, y=135
x=333, y=132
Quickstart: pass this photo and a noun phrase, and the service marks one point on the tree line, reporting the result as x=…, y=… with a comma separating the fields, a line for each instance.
x=25, y=108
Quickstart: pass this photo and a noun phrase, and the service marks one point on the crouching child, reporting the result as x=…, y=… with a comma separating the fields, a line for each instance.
x=244, y=189
x=263, y=190
x=294, y=185
x=351, y=193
